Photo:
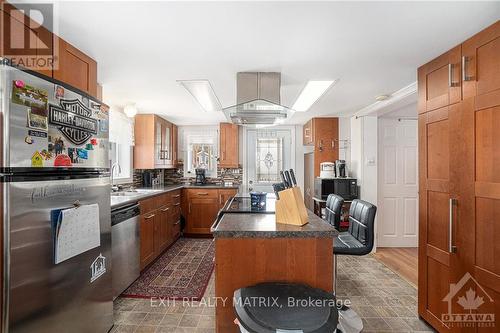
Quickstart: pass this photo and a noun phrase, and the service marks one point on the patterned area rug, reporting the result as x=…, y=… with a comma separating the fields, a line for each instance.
x=183, y=271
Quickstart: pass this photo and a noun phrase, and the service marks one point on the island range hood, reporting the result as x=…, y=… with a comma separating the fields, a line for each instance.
x=258, y=100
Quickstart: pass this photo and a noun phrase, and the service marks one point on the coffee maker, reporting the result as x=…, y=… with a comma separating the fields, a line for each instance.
x=200, y=179
x=340, y=169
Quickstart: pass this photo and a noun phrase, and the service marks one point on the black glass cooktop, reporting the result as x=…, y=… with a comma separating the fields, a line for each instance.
x=243, y=205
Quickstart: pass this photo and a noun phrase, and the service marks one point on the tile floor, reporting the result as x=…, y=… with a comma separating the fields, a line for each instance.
x=386, y=303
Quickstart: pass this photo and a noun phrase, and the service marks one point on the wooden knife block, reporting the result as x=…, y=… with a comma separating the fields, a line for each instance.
x=290, y=208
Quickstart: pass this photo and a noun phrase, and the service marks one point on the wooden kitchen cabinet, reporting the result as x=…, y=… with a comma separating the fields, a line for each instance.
x=225, y=195
x=200, y=209
x=160, y=225
x=155, y=139
x=458, y=180
x=147, y=226
x=323, y=134
x=16, y=31
x=439, y=81
x=228, y=145
x=75, y=67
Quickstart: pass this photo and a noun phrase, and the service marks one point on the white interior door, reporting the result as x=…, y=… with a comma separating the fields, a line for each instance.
x=398, y=183
x=267, y=152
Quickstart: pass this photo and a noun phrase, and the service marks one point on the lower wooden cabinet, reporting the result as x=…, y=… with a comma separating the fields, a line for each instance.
x=160, y=225
x=201, y=207
x=147, y=225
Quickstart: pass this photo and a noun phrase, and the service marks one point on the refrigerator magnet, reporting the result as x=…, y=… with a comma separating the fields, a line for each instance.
x=28, y=139
x=62, y=160
x=37, y=160
x=89, y=146
x=58, y=92
x=24, y=94
x=83, y=153
x=37, y=118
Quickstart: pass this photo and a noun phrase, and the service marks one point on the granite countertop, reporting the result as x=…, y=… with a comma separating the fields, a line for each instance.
x=141, y=193
x=254, y=225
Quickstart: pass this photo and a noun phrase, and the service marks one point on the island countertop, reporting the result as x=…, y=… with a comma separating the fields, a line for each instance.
x=254, y=225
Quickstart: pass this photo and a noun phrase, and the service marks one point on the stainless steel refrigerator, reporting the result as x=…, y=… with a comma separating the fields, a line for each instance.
x=54, y=161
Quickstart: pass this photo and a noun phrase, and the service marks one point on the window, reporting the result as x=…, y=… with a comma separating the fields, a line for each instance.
x=121, y=154
x=269, y=159
x=121, y=141
x=199, y=148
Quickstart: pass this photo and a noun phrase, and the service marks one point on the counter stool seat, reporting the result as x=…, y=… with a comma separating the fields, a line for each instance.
x=266, y=308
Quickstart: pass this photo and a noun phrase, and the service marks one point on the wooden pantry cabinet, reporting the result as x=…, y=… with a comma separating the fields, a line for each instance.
x=323, y=134
x=459, y=184
x=201, y=206
x=155, y=142
x=228, y=145
x=159, y=225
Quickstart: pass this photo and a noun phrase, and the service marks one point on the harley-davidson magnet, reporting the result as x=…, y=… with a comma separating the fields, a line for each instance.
x=37, y=160
x=24, y=94
x=74, y=120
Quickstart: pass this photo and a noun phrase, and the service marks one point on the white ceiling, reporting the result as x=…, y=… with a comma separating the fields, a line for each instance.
x=373, y=48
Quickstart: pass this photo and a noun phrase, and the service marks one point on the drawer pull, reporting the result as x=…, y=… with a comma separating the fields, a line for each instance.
x=177, y=223
x=176, y=196
x=165, y=209
x=149, y=217
x=177, y=204
x=202, y=193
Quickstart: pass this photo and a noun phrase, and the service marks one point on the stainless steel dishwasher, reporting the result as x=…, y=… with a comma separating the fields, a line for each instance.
x=125, y=247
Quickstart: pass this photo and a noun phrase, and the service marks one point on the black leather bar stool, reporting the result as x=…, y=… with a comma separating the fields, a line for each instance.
x=357, y=241
x=334, y=210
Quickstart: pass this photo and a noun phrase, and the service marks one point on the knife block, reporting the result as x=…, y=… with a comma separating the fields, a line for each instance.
x=290, y=208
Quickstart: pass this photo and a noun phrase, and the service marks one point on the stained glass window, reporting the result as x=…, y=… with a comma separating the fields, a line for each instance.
x=269, y=159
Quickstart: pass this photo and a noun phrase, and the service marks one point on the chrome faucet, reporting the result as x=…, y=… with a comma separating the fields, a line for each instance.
x=116, y=164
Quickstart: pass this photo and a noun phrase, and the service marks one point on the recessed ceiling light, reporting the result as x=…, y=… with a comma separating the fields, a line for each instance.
x=311, y=93
x=203, y=92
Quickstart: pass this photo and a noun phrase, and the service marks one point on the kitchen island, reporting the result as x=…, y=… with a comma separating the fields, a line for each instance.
x=252, y=248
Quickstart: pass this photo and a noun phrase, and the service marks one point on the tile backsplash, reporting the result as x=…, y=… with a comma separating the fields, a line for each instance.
x=176, y=176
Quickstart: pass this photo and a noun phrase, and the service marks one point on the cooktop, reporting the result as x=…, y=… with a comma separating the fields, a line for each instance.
x=243, y=205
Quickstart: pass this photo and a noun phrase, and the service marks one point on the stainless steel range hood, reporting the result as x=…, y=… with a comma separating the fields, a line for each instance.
x=258, y=100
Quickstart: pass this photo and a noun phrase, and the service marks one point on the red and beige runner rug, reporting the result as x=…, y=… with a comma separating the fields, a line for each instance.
x=183, y=271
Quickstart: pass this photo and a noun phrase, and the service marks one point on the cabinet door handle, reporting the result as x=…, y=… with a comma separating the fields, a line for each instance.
x=189, y=208
x=149, y=217
x=333, y=144
x=177, y=223
x=220, y=199
x=177, y=204
x=176, y=196
x=465, y=62
x=165, y=209
x=450, y=75
x=202, y=193
x=451, y=247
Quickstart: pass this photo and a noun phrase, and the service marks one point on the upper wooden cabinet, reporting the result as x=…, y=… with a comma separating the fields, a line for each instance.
x=155, y=142
x=323, y=134
x=75, y=67
x=20, y=37
x=228, y=145
x=439, y=81
x=481, y=66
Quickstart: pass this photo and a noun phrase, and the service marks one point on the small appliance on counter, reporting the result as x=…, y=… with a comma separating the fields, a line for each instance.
x=340, y=169
x=347, y=188
x=258, y=200
x=200, y=179
x=327, y=170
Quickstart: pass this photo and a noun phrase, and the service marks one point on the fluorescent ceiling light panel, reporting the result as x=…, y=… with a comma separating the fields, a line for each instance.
x=311, y=93
x=203, y=92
